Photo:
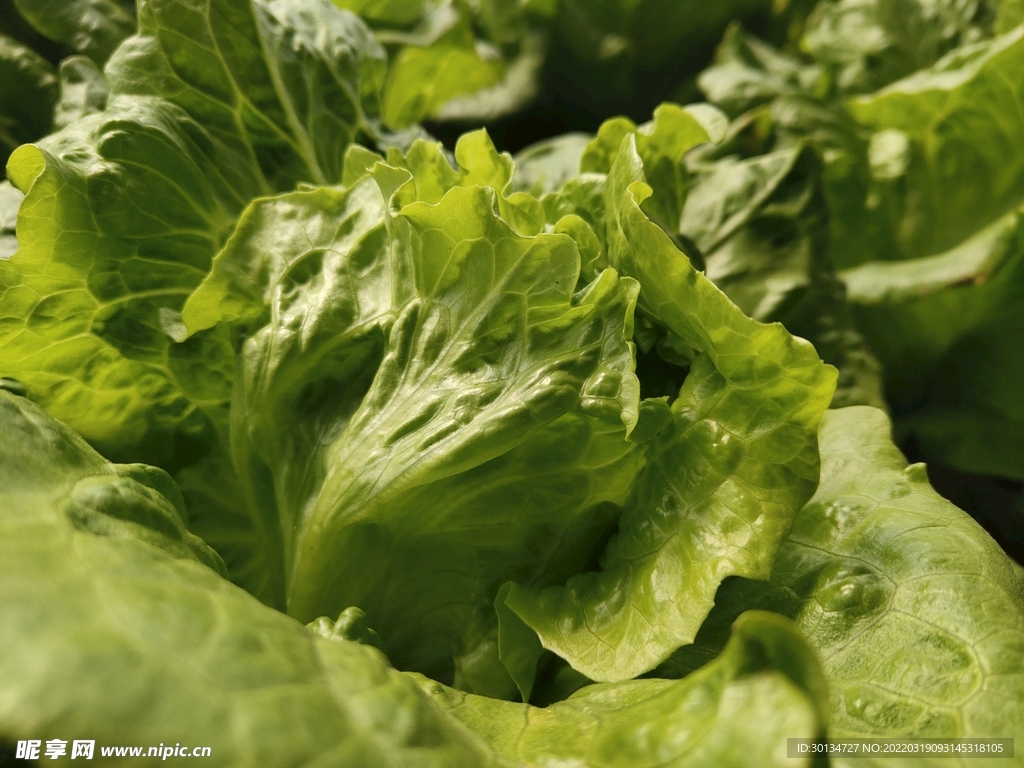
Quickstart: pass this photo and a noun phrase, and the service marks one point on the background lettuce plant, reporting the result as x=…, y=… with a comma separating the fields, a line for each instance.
x=326, y=442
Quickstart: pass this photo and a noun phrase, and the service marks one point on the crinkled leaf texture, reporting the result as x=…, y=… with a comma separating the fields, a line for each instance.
x=929, y=177
x=424, y=388
x=758, y=227
x=102, y=585
x=739, y=710
x=915, y=612
x=661, y=143
x=102, y=589
x=125, y=209
x=762, y=225
x=723, y=481
x=210, y=105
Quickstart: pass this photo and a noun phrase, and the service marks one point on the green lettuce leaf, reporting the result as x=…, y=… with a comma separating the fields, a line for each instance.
x=759, y=226
x=871, y=43
x=922, y=196
x=570, y=173
x=476, y=62
x=453, y=61
x=423, y=78
x=962, y=117
x=10, y=202
x=762, y=225
x=662, y=143
x=738, y=212
x=915, y=612
x=92, y=27
x=946, y=325
x=944, y=322
x=546, y=166
x=747, y=72
x=824, y=317
x=83, y=91
x=311, y=76
x=781, y=102
x=723, y=481
x=85, y=337
x=390, y=12
x=103, y=589
x=423, y=387
x=28, y=91
x=517, y=90
x=764, y=688
x=1011, y=14
x=125, y=209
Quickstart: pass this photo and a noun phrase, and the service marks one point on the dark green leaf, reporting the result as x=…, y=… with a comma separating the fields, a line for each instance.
x=92, y=27
x=28, y=91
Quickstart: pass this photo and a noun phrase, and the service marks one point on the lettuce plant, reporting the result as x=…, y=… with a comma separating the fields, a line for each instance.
x=325, y=444
x=915, y=108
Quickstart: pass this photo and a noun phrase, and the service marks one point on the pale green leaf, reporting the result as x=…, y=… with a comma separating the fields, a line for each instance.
x=915, y=612
x=722, y=484
x=422, y=387
x=423, y=78
x=765, y=688
x=102, y=589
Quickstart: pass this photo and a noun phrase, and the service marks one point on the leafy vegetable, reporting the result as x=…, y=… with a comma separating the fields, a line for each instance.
x=915, y=615
x=723, y=481
x=966, y=419
x=419, y=362
x=764, y=688
x=443, y=71
x=942, y=108
x=10, y=202
x=92, y=27
x=470, y=62
x=83, y=91
x=342, y=701
x=103, y=586
x=133, y=202
x=870, y=43
x=922, y=176
x=327, y=442
x=27, y=95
